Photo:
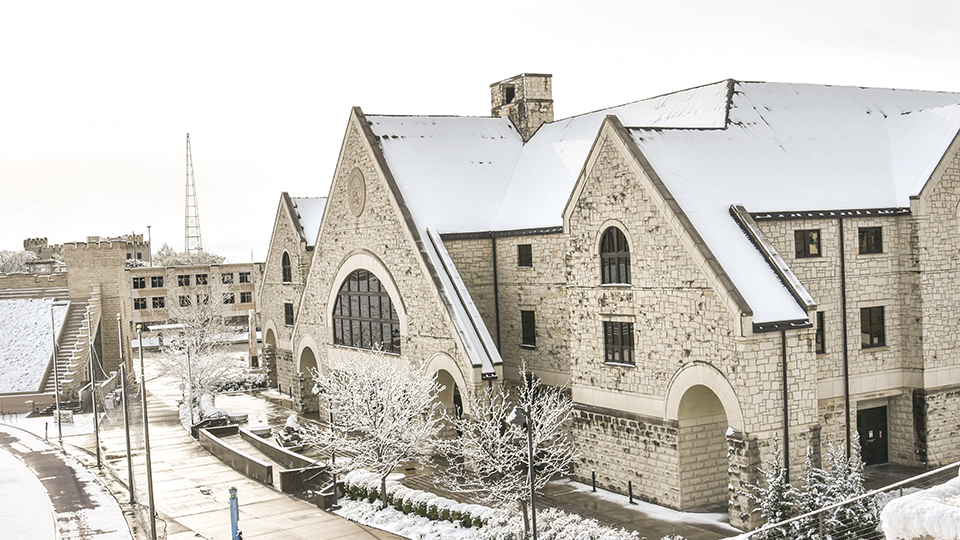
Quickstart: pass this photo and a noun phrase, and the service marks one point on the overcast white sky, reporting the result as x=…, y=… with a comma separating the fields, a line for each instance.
x=96, y=98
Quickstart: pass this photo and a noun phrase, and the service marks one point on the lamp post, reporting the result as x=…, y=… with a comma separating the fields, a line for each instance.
x=146, y=436
x=56, y=377
x=522, y=417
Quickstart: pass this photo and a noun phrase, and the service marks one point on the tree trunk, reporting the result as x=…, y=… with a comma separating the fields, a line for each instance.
x=526, y=522
x=383, y=490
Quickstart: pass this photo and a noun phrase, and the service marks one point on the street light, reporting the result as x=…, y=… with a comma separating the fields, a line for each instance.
x=522, y=417
x=146, y=436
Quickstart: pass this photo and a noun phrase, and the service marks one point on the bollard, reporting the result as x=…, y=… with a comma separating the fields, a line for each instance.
x=593, y=474
x=630, y=490
x=235, y=533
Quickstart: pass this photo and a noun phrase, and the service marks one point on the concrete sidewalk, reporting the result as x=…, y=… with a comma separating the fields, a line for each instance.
x=191, y=487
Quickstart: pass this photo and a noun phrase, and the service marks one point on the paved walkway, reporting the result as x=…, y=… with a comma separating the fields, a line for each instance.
x=192, y=487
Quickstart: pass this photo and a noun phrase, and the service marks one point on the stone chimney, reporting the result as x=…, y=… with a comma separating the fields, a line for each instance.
x=527, y=99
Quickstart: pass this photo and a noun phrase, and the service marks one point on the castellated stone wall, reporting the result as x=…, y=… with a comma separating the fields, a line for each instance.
x=365, y=229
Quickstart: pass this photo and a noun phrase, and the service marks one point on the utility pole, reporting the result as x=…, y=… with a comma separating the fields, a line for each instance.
x=191, y=236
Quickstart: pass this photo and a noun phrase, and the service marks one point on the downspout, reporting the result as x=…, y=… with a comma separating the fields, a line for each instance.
x=846, y=344
x=496, y=289
x=786, y=406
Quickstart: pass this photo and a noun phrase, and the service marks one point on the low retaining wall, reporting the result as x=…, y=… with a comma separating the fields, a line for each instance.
x=240, y=461
x=287, y=458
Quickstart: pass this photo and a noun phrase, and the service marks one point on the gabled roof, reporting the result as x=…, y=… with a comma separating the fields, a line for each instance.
x=306, y=213
x=766, y=146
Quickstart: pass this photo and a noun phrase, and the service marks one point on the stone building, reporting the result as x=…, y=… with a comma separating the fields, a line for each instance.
x=702, y=269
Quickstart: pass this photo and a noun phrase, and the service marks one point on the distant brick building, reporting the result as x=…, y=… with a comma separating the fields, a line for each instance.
x=703, y=270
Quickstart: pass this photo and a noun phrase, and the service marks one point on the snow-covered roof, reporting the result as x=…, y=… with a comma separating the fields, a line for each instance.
x=26, y=341
x=308, y=213
x=766, y=146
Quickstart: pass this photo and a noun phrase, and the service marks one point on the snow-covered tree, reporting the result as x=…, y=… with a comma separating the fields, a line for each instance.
x=385, y=413
x=200, y=316
x=775, y=498
x=490, y=457
x=167, y=256
x=12, y=261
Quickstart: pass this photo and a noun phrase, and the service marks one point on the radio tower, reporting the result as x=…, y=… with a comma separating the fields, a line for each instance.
x=191, y=237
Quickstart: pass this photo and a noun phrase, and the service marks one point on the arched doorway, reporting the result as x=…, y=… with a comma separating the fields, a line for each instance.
x=702, y=445
x=451, y=399
x=309, y=402
x=269, y=356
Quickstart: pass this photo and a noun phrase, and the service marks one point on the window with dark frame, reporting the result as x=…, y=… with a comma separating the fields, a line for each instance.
x=226, y=279
x=184, y=301
x=139, y=283
x=807, y=243
x=156, y=282
x=246, y=297
x=288, y=314
x=525, y=256
x=618, y=342
x=871, y=240
x=364, y=315
x=614, y=257
x=528, y=329
x=183, y=281
x=229, y=298
x=871, y=327
x=203, y=299
x=159, y=302
x=201, y=279
x=287, y=270
x=821, y=334
x=139, y=303
x=244, y=277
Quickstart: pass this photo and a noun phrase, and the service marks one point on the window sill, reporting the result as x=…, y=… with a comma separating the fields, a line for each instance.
x=618, y=364
x=617, y=285
x=879, y=348
x=527, y=346
x=349, y=348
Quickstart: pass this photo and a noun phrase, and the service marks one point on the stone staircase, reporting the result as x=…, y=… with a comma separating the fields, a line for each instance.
x=72, y=354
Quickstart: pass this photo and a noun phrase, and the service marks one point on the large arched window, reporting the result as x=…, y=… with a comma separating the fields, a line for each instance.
x=287, y=271
x=614, y=257
x=364, y=316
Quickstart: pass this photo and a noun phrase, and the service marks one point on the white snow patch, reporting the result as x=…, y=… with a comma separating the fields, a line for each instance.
x=406, y=525
x=26, y=341
x=932, y=513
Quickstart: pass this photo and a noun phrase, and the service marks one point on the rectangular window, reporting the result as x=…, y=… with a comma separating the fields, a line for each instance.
x=139, y=283
x=821, y=334
x=139, y=256
x=528, y=330
x=618, y=342
x=871, y=327
x=201, y=279
x=807, y=243
x=246, y=297
x=228, y=298
x=139, y=303
x=226, y=278
x=184, y=301
x=203, y=299
x=159, y=302
x=525, y=256
x=244, y=277
x=156, y=282
x=871, y=240
x=288, y=314
x=183, y=281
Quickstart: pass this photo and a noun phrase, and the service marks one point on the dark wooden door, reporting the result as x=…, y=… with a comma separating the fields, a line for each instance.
x=872, y=428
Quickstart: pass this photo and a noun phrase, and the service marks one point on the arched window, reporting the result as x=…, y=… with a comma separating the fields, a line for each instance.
x=614, y=257
x=364, y=316
x=287, y=272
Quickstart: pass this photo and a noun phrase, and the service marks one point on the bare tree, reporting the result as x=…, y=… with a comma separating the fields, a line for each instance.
x=167, y=256
x=385, y=413
x=12, y=262
x=199, y=331
x=490, y=458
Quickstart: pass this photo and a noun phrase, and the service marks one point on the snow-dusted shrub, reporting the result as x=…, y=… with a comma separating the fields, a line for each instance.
x=421, y=503
x=552, y=524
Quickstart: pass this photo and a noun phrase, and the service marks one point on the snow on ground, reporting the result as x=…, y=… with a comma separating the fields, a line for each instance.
x=407, y=525
x=26, y=342
x=660, y=513
x=22, y=494
x=931, y=513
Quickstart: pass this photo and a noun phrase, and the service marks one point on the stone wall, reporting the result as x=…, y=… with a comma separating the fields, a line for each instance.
x=703, y=461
